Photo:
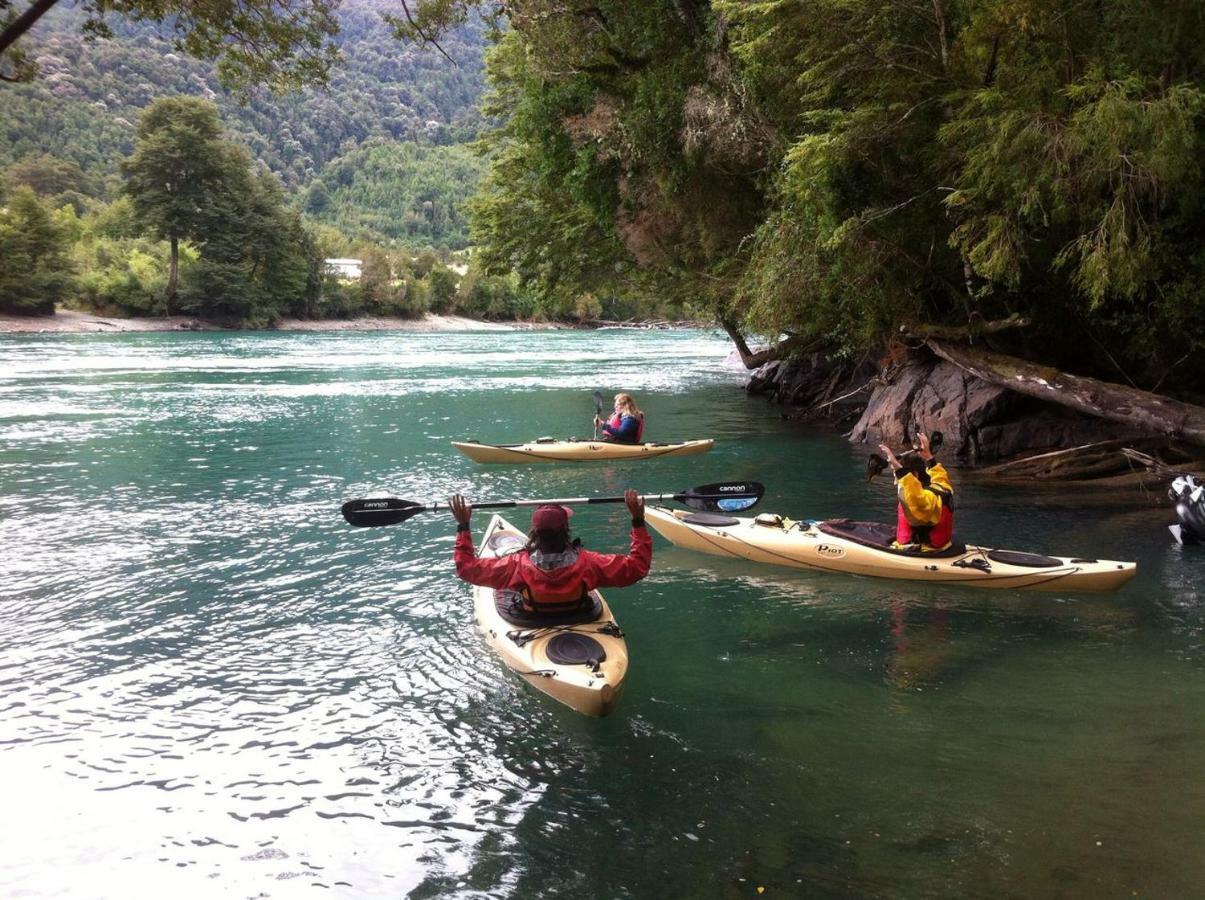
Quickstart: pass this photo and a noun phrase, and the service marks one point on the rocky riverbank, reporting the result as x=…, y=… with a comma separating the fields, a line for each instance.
x=982, y=424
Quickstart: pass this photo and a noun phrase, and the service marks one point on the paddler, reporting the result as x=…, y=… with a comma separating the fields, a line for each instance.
x=626, y=425
x=925, y=516
x=553, y=574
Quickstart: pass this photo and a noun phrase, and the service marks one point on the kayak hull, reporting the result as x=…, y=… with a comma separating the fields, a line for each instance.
x=803, y=545
x=592, y=691
x=575, y=451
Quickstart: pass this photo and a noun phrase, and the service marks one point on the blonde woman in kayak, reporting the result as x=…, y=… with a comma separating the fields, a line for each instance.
x=925, y=515
x=626, y=425
x=552, y=573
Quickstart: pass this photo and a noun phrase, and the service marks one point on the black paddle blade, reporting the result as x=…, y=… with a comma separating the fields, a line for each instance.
x=725, y=496
x=598, y=403
x=876, y=465
x=379, y=511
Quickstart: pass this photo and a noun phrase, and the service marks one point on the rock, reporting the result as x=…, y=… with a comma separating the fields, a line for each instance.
x=981, y=423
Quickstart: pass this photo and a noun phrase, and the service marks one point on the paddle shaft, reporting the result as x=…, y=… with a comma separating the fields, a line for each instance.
x=578, y=501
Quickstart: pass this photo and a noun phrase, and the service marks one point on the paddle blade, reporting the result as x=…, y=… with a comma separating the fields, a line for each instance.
x=375, y=511
x=725, y=496
x=876, y=465
x=598, y=403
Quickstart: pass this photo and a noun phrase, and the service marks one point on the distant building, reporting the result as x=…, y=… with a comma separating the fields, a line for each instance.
x=344, y=268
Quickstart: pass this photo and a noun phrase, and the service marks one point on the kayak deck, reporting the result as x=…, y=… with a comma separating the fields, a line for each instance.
x=591, y=687
x=575, y=451
x=809, y=545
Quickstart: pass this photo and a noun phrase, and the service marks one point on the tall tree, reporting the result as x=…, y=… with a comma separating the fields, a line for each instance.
x=179, y=165
x=278, y=42
x=35, y=271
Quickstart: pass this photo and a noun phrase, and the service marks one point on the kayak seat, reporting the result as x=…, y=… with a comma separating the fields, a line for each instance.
x=711, y=520
x=510, y=607
x=1016, y=558
x=880, y=536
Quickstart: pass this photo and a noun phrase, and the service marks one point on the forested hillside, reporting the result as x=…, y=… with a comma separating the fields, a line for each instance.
x=84, y=106
x=409, y=193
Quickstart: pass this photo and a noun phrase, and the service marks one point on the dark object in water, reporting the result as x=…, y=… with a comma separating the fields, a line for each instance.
x=1189, y=498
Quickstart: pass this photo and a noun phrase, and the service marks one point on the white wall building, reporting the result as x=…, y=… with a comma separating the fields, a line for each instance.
x=344, y=268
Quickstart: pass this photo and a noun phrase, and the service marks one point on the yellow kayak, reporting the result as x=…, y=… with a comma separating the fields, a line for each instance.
x=551, y=450
x=580, y=660
x=861, y=548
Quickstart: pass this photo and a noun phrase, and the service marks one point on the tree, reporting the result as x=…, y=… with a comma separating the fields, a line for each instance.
x=317, y=197
x=443, y=288
x=277, y=42
x=35, y=273
x=179, y=165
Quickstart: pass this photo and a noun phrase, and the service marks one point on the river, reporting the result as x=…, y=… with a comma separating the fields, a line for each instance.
x=210, y=685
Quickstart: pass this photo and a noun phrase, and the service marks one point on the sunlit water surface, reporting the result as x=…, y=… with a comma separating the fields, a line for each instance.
x=211, y=686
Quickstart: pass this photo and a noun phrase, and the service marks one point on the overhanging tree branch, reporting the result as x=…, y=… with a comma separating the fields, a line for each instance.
x=24, y=22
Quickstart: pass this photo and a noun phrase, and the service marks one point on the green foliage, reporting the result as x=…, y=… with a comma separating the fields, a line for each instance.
x=253, y=41
x=442, y=283
x=88, y=96
x=254, y=258
x=179, y=167
x=35, y=271
x=973, y=159
x=409, y=194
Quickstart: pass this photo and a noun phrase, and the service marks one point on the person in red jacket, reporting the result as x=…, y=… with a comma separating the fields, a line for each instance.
x=552, y=573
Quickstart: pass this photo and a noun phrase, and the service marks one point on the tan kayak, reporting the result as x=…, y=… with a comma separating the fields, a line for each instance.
x=551, y=450
x=860, y=548
x=579, y=660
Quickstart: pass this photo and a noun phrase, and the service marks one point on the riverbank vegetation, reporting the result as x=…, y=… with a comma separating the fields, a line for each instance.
x=835, y=170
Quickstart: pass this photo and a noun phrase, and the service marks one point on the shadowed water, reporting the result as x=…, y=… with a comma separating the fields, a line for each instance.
x=210, y=685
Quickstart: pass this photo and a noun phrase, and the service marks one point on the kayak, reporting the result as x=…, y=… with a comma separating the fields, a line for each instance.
x=863, y=548
x=580, y=659
x=552, y=450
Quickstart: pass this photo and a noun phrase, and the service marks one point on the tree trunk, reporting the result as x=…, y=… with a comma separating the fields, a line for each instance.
x=1141, y=410
x=173, y=270
x=754, y=359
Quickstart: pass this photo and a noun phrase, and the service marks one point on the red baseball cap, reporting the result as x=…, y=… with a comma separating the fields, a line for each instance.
x=550, y=518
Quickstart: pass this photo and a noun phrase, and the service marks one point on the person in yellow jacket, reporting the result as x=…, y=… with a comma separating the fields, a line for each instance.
x=925, y=516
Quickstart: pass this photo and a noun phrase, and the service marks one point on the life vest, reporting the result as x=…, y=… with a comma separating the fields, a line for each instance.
x=555, y=590
x=616, y=422
x=937, y=536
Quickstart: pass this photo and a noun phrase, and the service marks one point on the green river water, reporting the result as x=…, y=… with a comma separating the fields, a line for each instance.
x=210, y=686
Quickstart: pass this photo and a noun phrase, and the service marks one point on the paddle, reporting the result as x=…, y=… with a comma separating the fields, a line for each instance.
x=598, y=406
x=725, y=496
x=876, y=465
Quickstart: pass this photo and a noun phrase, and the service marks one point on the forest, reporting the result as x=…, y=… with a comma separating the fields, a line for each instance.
x=373, y=162
x=837, y=171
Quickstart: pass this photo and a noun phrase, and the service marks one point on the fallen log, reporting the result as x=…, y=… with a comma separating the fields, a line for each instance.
x=1075, y=463
x=1157, y=467
x=1140, y=410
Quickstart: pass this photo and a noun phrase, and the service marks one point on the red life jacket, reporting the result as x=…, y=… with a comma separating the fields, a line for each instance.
x=934, y=535
x=617, y=420
x=555, y=590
